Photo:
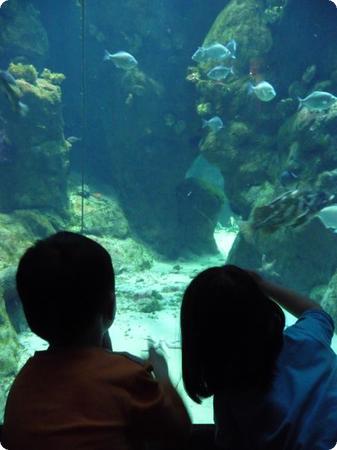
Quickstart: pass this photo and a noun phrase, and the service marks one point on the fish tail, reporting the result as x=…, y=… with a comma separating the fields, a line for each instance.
x=204, y=123
x=106, y=55
x=232, y=71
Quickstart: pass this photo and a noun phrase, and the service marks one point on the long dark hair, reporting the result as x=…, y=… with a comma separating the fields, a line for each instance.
x=231, y=333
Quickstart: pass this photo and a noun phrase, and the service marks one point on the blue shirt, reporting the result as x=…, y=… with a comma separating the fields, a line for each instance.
x=300, y=410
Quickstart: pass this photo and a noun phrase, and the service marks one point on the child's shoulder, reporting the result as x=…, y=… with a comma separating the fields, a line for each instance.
x=131, y=358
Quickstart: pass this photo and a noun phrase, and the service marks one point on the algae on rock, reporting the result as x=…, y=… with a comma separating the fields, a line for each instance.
x=36, y=177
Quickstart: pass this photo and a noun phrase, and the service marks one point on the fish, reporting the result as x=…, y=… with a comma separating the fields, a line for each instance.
x=215, y=51
x=10, y=88
x=73, y=139
x=220, y=73
x=122, y=60
x=317, y=101
x=264, y=91
x=288, y=177
x=328, y=216
x=215, y=124
x=293, y=208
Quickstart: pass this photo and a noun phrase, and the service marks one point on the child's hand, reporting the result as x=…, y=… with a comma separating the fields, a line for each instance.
x=158, y=361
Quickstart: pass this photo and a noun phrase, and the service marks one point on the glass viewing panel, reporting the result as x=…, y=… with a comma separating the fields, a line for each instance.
x=179, y=134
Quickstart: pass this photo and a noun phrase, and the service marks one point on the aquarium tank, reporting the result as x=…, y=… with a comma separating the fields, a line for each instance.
x=179, y=134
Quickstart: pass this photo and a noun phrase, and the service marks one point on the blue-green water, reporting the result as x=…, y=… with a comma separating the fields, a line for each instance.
x=120, y=153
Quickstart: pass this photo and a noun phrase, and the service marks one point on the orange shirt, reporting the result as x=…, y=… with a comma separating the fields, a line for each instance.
x=81, y=399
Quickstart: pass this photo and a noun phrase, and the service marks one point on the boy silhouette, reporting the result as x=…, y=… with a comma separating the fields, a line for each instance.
x=79, y=394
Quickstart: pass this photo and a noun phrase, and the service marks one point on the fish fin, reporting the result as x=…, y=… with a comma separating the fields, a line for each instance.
x=231, y=45
x=23, y=109
x=204, y=123
x=300, y=103
x=106, y=55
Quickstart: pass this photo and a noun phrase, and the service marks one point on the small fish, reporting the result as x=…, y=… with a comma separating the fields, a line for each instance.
x=122, y=60
x=264, y=91
x=73, y=139
x=12, y=91
x=215, y=51
x=220, y=73
x=328, y=216
x=287, y=178
x=215, y=124
x=317, y=101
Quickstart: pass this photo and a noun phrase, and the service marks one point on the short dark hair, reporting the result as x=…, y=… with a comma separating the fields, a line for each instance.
x=63, y=281
x=231, y=333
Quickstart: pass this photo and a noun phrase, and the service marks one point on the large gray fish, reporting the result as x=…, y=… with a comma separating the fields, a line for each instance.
x=220, y=73
x=215, y=51
x=264, y=91
x=317, y=101
x=122, y=60
x=328, y=217
x=215, y=124
x=12, y=91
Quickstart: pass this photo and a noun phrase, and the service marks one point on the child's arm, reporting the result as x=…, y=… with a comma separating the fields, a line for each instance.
x=178, y=422
x=294, y=303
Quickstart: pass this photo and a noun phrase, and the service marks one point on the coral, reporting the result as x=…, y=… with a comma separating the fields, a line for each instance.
x=273, y=14
x=39, y=146
x=25, y=72
x=53, y=78
x=204, y=109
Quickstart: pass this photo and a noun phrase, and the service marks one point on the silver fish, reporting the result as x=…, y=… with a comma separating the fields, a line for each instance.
x=264, y=91
x=73, y=139
x=317, y=101
x=328, y=217
x=215, y=51
x=122, y=60
x=215, y=124
x=220, y=73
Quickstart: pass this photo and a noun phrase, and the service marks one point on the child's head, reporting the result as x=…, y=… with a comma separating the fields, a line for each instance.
x=65, y=282
x=231, y=333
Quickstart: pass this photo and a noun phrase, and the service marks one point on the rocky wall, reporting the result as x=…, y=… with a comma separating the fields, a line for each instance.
x=263, y=140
